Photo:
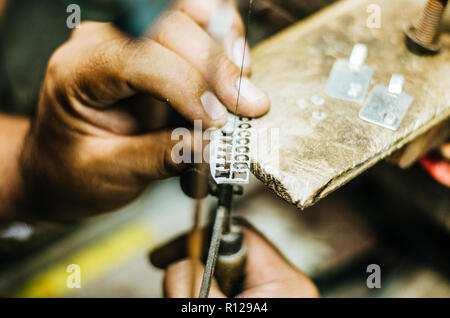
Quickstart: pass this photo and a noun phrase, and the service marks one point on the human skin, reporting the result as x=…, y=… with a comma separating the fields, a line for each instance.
x=267, y=275
x=99, y=136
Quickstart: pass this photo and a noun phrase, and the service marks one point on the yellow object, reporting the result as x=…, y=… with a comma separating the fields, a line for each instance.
x=95, y=260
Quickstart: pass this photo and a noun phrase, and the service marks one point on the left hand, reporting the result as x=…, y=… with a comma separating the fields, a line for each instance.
x=267, y=275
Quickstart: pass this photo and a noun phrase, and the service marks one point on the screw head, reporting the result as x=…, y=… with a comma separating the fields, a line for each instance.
x=416, y=46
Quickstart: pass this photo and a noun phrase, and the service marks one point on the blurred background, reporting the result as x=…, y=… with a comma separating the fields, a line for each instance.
x=398, y=219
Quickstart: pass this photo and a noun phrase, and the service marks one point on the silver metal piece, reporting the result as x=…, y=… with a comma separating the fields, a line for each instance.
x=230, y=151
x=213, y=252
x=396, y=84
x=387, y=107
x=350, y=80
x=359, y=55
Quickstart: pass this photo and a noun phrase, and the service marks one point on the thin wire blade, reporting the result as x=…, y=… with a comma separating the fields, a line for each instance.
x=221, y=211
x=213, y=252
x=250, y=5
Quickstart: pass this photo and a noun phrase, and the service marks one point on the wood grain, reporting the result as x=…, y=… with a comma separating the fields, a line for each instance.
x=321, y=147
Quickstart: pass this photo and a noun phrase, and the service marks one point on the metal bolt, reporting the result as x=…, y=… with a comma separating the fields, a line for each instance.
x=423, y=37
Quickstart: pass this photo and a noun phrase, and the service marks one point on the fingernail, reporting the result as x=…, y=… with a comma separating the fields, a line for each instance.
x=213, y=106
x=239, y=47
x=249, y=91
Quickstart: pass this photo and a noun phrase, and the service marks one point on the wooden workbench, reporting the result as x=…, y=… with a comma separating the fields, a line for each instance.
x=322, y=143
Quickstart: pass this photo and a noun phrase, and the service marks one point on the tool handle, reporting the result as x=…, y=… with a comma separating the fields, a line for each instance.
x=231, y=261
x=138, y=15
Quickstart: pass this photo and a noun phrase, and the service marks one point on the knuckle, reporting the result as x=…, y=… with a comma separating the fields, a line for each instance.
x=238, y=24
x=130, y=50
x=82, y=28
x=224, y=66
x=56, y=63
x=174, y=16
x=53, y=64
x=170, y=20
x=197, y=85
x=86, y=28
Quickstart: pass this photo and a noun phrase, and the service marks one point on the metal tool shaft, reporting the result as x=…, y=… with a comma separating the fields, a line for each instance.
x=213, y=251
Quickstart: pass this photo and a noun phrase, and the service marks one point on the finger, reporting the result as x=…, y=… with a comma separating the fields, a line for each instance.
x=183, y=280
x=268, y=274
x=445, y=151
x=172, y=252
x=117, y=68
x=439, y=169
x=422, y=145
x=223, y=22
x=153, y=156
x=137, y=114
x=175, y=250
x=176, y=31
x=149, y=113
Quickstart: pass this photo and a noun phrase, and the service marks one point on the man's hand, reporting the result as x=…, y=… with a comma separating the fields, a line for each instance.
x=268, y=275
x=99, y=135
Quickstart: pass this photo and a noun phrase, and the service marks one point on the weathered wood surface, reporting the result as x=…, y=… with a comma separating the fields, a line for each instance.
x=321, y=147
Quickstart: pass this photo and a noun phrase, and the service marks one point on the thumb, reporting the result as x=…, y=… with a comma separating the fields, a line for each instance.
x=445, y=151
x=183, y=280
x=156, y=155
x=270, y=275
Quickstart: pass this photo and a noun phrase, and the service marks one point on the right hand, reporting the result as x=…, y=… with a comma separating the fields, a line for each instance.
x=98, y=138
